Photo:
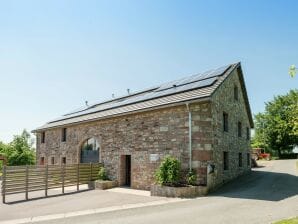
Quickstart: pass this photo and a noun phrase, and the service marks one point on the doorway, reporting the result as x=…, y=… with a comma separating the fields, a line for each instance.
x=125, y=171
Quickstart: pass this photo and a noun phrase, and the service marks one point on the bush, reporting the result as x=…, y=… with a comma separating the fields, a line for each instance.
x=19, y=151
x=168, y=172
x=102, y=174
x=191, y=177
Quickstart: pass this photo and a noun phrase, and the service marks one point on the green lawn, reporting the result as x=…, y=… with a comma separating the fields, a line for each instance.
x=288, y=221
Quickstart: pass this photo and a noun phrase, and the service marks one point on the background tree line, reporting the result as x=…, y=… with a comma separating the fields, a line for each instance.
x=276, y=129
x=19, y=151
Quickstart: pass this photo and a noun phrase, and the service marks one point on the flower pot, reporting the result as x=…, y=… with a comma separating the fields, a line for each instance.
x=105, y=184
x=178, y=192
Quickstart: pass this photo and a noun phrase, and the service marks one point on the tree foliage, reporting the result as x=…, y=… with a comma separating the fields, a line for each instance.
x=277, y=128
x=20, y=151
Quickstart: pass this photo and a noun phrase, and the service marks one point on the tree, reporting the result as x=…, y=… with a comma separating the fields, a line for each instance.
x=20, y=151
x=259, y=141
x=292, y=71
x=277, y=127
x=3, y=152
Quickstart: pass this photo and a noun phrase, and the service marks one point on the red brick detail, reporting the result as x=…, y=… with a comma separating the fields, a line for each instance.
x=201, y=155
x=202, y=171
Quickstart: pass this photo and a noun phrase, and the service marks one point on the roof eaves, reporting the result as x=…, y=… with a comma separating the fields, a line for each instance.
x=44, y=128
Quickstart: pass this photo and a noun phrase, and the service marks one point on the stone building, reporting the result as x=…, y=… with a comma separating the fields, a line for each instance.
x=203, y=120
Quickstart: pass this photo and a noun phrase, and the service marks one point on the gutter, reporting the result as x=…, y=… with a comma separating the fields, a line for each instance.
x=189, y=136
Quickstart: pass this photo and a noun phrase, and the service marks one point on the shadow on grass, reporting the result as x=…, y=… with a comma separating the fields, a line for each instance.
x=260, y=185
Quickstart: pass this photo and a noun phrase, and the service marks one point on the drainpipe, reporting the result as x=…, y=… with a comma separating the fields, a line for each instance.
x=189, y=136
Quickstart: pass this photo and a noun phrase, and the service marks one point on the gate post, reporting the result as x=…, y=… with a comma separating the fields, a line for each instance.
x=26, y=182
x=46, y=180
x=90, y=168
x=4, y=184
x=78, y=177
x=62, y=176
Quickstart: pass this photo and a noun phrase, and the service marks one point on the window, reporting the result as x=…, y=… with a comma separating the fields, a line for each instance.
x=63, y=138
x=90, y=151
x=226, y=160
x=41, y=161
x=239, y=129
x=63, y=160
x=43, y=137
x=236, y=93
x=240, y=159
x=247, y=134
x=225, y=122
x=90, y=144
x=248, y=159
x=52, y=160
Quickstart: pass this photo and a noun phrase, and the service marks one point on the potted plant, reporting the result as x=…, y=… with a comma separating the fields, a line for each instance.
x=103, y=182
x=169, y=183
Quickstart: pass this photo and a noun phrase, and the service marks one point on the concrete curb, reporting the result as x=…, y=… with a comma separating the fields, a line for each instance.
x=90, y=211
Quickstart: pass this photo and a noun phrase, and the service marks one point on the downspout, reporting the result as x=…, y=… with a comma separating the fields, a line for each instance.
x=189, y=136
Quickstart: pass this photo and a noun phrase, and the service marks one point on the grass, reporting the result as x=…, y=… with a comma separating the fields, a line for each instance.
x=288, y=221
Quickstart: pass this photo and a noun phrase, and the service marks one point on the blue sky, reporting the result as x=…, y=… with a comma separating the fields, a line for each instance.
x=54, y=55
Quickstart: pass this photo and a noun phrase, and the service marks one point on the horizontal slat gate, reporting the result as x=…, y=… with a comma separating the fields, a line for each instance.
x=24, y=179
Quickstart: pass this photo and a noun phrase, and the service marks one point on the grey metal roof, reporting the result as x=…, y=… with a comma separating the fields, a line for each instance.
x=190, y=88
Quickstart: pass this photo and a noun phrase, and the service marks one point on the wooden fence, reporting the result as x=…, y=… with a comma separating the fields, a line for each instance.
x=24, y=179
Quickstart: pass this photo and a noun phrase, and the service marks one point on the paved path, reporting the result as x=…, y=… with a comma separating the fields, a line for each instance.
x=265, y=195
x=74, y=203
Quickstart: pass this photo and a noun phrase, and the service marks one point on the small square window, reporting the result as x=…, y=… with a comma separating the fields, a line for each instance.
x=41, y=161
x=236, y=93
x=43, y=137
x=225, y=122
x=63, y=137
x=248, y=159
x=226, y=160
x=240, y=159
x=239, y=129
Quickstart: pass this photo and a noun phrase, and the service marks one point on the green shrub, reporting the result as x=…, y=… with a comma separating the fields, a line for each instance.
x=191, y=177
x=102, y=174
x=168, y=172
x=288, y=221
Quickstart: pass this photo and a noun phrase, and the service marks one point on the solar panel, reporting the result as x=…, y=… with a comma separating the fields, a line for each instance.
x=186, y=87
x=201, y=80
x=195, y=78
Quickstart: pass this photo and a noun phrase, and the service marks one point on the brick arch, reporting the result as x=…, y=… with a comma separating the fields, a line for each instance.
x=82, y=141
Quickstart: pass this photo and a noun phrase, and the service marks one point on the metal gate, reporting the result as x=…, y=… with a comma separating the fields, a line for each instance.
x=89, y=156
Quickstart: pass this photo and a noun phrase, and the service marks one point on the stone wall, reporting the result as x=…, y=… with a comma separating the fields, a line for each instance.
x=162, y=132
x=223, y=101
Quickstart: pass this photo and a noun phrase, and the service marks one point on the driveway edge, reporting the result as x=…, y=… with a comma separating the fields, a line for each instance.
x=90, y=211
